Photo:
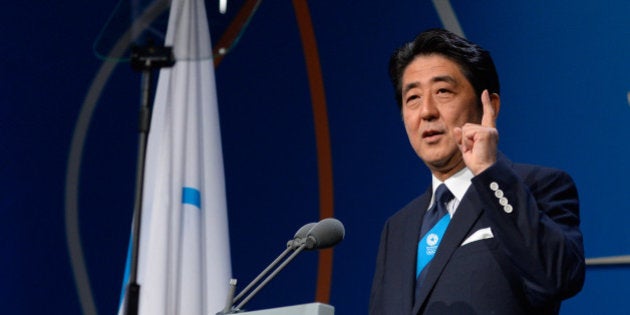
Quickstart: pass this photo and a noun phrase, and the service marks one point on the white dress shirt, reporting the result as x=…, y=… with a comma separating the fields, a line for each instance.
x=458, y=184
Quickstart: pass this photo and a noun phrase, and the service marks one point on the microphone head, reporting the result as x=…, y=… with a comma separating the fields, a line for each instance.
x=300, y=235
x=326, y=233
x=303, y=231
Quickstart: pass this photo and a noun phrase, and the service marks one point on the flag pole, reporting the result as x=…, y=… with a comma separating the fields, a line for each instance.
x=146, y=59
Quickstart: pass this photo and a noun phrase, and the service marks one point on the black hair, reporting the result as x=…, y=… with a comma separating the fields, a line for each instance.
x=474, y=61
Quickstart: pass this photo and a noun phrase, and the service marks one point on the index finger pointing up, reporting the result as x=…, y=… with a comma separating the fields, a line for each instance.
x=489, y=117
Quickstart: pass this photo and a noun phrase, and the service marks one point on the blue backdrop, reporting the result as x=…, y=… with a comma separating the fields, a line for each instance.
x=565, y=80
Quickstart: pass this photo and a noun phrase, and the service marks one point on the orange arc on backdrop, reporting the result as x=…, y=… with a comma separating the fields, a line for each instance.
x=320, y=116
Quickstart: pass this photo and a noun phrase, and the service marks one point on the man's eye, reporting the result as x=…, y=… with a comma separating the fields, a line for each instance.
x=444, y=94
x=412, y=101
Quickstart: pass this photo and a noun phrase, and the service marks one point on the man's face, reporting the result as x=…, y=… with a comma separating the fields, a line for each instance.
x=436, y=98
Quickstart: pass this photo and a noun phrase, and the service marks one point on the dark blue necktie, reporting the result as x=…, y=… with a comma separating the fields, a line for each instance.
x=434, y=224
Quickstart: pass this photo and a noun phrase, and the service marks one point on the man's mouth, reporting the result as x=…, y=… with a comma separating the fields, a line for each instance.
x=431, y=135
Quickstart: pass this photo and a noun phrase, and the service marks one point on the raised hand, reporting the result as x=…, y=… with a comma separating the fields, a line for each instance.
x=478, y=142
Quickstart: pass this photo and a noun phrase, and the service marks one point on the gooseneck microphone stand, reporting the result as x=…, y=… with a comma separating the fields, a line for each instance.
x=146, y=59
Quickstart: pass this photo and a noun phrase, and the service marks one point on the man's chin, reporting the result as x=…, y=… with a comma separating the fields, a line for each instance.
x=446, y=165
x=439, y=162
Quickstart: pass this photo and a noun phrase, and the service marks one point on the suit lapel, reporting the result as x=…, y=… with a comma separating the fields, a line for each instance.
x=467, y=214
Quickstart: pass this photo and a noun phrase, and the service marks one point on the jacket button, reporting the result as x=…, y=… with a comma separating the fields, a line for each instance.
x=494, y=186
x=508, y=208
x=498, y=193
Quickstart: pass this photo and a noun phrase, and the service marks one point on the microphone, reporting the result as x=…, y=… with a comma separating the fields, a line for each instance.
x=298, y=239
x=323, y=234
x=326, y=233
x=300, y=235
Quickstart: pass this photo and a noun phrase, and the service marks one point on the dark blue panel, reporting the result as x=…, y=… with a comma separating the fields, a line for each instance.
x=564, y=72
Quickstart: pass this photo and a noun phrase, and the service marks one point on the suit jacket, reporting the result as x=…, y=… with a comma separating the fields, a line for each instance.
x=532, y=258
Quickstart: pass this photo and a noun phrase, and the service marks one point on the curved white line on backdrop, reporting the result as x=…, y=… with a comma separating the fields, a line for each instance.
x=73, y=236
x=447, y=16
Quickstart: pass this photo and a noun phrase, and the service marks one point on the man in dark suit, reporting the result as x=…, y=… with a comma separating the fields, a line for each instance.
x=507, y=240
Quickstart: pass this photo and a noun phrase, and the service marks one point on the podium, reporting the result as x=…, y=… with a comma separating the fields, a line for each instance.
x=301, y=309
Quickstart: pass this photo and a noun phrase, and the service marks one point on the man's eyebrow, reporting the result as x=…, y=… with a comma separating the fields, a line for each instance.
x=441, y=78
x=410, y=86
x=445, y=78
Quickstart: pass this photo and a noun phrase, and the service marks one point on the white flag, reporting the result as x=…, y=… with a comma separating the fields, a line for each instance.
x=184, y=259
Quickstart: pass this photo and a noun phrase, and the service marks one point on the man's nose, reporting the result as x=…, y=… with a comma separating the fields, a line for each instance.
x=429, y=110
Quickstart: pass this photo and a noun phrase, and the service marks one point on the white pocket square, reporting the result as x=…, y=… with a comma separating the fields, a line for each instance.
x=480, y=234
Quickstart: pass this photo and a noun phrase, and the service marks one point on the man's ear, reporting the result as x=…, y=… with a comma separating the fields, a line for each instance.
x=495, y=99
